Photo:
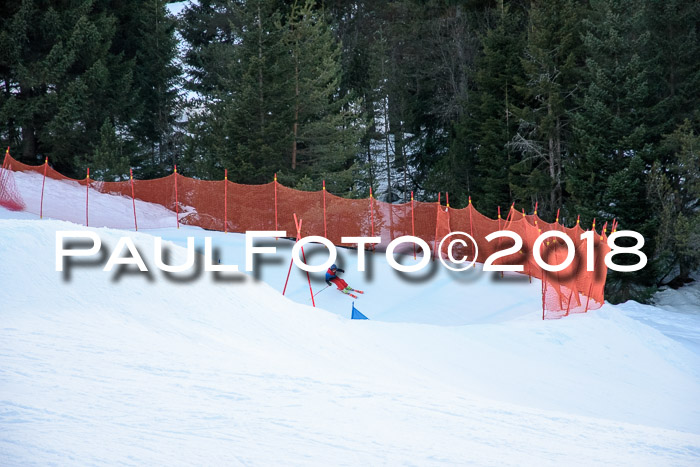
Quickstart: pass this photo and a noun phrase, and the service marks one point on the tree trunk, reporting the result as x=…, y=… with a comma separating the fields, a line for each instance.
x=29, y=140
x=552, y=162
x=386, y=150
x=28, y=130
x=260, y=76
x=557, y=155
x=405, y=175
x=552, y=194
x=401, y=156
x=508, y=171
x=11, y=131
x=683, y=266
x=296, y=113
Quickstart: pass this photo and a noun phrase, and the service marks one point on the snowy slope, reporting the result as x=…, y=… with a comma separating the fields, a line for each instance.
x=490, y=331
x=676, y=313
x=105, y=368
x=65, y=200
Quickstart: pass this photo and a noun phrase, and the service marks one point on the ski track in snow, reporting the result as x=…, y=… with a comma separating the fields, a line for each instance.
x=108, y=368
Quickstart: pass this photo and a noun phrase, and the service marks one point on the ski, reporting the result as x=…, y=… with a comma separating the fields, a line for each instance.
x=348, y=293
x=358, y=291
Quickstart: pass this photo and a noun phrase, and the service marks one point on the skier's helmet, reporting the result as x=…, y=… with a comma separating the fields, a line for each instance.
x=334, y=267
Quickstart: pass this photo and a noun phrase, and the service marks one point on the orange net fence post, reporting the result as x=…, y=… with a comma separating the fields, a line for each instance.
x=443, y=224
x=588, y=297
x=437, y=218
x=43, y=183
x=471, y=225
x=87, y=198
x=177, y=201
x=225, y=200
x=297, y=224
x=371, y=209
x=133, y=198
x=544, y=292
x=325, y=226
x=413, y=226
x=499, y=228
x=275, y=182
x=291, y=260
x=443, y=229
x=303, y=255
x=10, y=196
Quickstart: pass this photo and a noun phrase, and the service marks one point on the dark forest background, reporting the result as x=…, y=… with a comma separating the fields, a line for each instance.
x=588, y=107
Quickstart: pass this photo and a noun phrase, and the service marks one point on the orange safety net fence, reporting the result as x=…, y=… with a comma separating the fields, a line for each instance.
x=232, y=207
x=10, y=196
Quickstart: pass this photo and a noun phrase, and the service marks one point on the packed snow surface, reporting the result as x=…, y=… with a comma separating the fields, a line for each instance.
x=220, y=369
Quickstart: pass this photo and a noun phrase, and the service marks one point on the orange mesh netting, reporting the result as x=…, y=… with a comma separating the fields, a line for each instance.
x=10, y=197
x=223, y=205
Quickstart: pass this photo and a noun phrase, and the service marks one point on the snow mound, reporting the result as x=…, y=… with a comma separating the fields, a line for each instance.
x=123, y=367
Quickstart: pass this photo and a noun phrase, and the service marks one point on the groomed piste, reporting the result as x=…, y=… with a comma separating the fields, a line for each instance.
x=231, y=207
x=101, y=368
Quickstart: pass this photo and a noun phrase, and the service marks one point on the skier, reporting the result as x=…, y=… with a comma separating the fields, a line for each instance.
x=332, y=278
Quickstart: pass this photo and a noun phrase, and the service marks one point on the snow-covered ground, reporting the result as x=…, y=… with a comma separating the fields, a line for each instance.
x=451, y=368
x=65, y=200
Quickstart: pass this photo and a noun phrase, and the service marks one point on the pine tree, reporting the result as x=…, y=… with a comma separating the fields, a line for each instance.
x=430, y=50
x=109, y=161
x=59, y=68
x=610, y=123
x=483, y=135
x=269, y=81
x=674, y=190
x=325, y=127
x=68, y=67
x=146, y=35
x=209, y=29
x=673, y=54
x=255, y=98
x=550, y=64
x=607, y=178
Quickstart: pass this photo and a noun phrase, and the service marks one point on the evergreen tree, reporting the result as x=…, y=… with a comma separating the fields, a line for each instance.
x=209, y=29
x=359, y=31
x=673, y=54
x=610, y=123
x=325, y=125
x=68, y=67
x=147, y=35
x=608, y=175
x=674, y=123
x=109, y=160
x=431, y=52
x=550, y=64
x=273, y=101
x=674, y=189
x=482, y=136
x=57, y=79
x=244, y=91
x=261, y=110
